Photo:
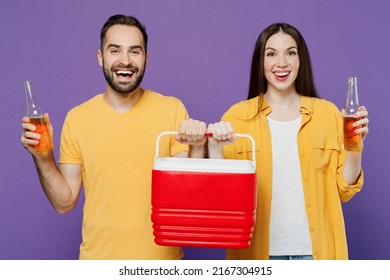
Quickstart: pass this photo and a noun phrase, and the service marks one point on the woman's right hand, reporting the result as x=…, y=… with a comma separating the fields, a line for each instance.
x=222, y=134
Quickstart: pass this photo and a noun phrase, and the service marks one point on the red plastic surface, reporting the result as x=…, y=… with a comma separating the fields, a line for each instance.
x=202, y=209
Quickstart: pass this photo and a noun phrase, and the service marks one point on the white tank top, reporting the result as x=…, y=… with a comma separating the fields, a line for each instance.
x=289, y=229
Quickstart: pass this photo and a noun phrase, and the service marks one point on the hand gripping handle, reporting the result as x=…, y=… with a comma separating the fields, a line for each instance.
x=208, y=134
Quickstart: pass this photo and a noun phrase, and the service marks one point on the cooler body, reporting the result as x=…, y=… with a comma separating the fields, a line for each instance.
x=203, y=203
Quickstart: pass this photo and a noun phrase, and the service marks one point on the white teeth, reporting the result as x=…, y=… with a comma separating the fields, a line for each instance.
x=124, y=72
x=281, y=74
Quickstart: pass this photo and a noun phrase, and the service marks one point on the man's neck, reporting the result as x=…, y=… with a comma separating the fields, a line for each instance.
x=122, y=102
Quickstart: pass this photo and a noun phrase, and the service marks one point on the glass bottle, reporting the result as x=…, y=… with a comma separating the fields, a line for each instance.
x=37, y=118
x=352, y=140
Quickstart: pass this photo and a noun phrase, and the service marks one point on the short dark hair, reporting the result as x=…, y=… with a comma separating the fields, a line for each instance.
x=304, y=83
x=123, y=20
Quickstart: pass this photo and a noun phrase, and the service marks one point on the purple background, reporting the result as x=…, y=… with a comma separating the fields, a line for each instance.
x=200, y=52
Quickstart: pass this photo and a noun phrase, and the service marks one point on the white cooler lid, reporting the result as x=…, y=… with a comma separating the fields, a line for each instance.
x=204, y=165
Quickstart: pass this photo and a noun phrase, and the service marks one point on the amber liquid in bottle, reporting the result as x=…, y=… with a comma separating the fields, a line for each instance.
x=37, y=118
x=352, y=140
x=42, y=128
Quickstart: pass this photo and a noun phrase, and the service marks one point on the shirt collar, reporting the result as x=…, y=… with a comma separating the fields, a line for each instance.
x=265, y=107
x=306, y=105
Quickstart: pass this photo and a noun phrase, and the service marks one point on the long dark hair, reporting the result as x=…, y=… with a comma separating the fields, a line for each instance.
x=304, y=83
x=123, y=20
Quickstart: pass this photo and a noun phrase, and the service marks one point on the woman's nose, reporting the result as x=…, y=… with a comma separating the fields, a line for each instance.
x=282, y=61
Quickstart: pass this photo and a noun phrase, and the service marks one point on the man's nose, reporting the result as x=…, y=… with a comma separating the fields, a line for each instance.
x=125, y=58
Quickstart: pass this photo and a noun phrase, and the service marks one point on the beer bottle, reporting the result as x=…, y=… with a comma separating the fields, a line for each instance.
x=352, y=140
x=37, y=118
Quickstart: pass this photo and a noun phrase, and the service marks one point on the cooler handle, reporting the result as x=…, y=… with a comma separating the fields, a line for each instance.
x=207, y=134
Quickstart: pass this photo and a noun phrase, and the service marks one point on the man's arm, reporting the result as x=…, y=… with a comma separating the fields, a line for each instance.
x=61, y=184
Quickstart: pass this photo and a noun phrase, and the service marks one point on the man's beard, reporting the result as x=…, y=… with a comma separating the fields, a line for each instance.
x=124, y=89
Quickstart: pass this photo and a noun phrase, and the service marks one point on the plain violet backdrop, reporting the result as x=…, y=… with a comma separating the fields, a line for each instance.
x=200, y=52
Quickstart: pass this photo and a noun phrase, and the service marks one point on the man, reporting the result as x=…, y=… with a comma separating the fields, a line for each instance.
x=108, y=146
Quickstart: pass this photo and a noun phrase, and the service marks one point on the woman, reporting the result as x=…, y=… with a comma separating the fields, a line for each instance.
x=303, y=171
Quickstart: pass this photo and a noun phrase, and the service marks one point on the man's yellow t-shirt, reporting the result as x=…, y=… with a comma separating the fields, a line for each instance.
x=117, y=152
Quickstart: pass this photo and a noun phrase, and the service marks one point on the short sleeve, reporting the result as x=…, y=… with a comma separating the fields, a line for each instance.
x=69, y=150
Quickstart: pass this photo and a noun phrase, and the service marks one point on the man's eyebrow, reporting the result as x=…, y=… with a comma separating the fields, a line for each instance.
x=137, y=47
x=113, y=46
x=131, y=47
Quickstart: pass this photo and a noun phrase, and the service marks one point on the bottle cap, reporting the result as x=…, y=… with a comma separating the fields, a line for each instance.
x=352, y=80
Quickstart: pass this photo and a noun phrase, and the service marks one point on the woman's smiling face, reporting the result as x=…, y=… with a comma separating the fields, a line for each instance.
x=281, y=62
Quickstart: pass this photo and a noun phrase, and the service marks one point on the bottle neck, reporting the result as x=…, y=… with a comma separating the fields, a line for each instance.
x=33, y=110
x=352, y=102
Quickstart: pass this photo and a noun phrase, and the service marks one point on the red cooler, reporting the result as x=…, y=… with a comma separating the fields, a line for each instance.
x=204, y=202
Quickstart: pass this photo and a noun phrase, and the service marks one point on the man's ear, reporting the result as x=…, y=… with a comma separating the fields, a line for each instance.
x=100, y=57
